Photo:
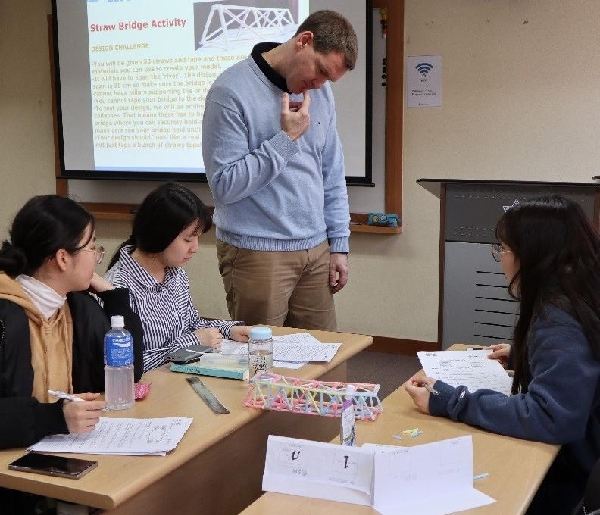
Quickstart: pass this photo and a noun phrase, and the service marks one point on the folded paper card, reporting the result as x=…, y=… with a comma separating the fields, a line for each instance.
x=433, y=479
x=316, y=469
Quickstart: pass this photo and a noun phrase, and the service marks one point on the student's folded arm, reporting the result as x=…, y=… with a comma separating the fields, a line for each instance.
x=224, y=326
x=188, y=337
x=24, y=421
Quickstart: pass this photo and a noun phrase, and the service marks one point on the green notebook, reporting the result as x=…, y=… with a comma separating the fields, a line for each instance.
x=229, y=372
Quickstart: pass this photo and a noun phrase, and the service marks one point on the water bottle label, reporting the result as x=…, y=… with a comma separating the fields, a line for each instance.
x=118, y=350
x=259, y=362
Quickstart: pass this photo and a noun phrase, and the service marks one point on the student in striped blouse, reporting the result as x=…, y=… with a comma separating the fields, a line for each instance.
x=165, y=236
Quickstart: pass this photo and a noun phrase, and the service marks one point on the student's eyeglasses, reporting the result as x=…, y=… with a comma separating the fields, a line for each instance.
x=497, y=251
x=99, y=251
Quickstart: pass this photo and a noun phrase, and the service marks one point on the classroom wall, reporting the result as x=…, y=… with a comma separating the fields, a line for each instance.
x=26, y=133
x=519, y=102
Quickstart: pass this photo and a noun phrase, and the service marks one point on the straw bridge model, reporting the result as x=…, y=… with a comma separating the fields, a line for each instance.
x=311, y=397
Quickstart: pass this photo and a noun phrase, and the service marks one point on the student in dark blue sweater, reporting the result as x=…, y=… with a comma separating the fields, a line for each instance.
x=550, y=254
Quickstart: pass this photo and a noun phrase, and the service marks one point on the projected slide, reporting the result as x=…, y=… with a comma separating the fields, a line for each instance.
x=132, y=78
x=151, y=64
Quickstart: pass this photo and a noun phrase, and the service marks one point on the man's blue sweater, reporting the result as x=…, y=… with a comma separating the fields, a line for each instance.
x=271, y=193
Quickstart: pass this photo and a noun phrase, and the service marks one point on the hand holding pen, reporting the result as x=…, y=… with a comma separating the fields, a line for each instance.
x=420, y=388
x=430, y=389
x=64, y=395
x=83, y=412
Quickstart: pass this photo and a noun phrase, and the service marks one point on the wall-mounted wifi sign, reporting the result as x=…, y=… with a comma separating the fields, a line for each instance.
x=424, y=81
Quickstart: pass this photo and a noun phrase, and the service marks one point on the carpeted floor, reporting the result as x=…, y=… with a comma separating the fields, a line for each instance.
x=387, y=370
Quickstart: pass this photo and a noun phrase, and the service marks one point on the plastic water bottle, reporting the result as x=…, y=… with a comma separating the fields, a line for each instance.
x=118, y=366
x=348, y=419
x=260, y=350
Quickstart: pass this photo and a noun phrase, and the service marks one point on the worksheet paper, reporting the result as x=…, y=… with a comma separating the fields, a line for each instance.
x=297, y=348
x=130, y=436
x=434, y=478
x=470, y=368
x=320, y=470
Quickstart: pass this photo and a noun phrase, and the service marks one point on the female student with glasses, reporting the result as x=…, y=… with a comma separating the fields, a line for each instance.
x=550, y=255
x=51, y=329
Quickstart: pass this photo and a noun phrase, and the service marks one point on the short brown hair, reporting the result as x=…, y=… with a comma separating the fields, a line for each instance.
x=332, y=33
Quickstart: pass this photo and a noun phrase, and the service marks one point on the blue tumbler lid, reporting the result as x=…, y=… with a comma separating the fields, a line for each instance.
x=260, y=333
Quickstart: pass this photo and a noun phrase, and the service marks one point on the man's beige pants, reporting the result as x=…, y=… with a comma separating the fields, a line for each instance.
x=278, y=288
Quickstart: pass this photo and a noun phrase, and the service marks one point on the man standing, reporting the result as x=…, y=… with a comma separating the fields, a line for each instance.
x=275, y=167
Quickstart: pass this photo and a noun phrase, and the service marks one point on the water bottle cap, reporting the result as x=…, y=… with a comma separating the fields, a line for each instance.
x=350, y=390
x=116, y=322
x=261, y=333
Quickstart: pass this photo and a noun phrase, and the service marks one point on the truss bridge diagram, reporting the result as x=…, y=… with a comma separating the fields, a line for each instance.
x=229, y=25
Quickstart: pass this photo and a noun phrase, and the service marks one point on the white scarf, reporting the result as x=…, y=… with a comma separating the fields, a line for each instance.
x=43, y=297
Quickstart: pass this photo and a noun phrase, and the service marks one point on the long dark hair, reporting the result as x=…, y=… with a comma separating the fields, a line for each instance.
x=44, y=225
x=162, y=215
x=558, y=254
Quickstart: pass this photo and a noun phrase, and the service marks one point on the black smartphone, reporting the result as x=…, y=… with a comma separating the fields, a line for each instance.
x=188, y=354
x=52, y=465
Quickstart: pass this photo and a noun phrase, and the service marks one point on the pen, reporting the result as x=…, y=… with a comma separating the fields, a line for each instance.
x=64, y=395
x=430, y=389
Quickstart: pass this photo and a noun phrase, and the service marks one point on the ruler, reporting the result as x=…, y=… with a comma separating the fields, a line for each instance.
x=207, y=396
